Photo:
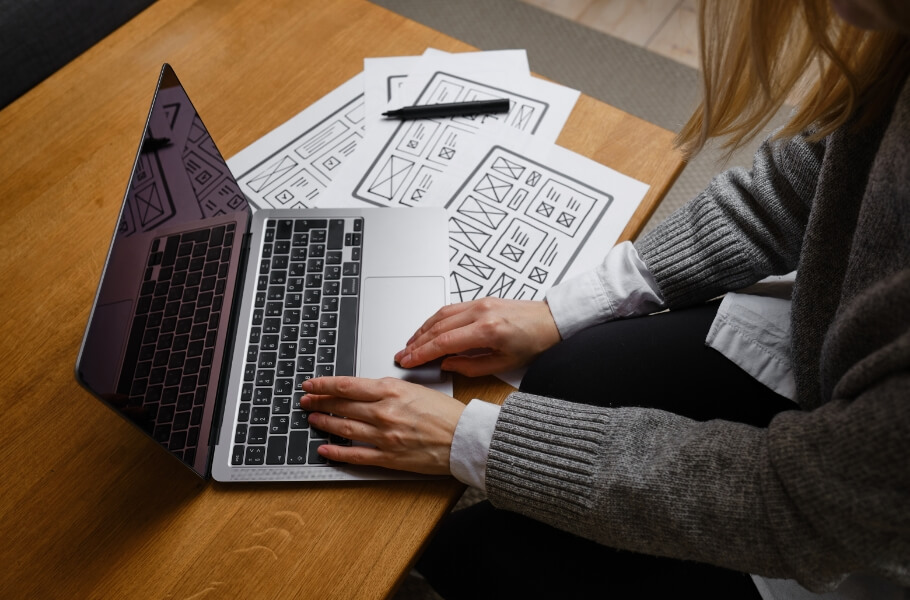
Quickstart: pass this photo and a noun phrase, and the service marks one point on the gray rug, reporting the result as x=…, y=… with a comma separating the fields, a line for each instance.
x=640, y=82
x=647, y=85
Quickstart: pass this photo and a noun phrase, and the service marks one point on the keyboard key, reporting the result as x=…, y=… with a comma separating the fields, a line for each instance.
x=260, y=415
x=270, y=326
x=279, y=425
x=262, y=396
x=255, y=455
x=257, y=434
x=298, y=417
x=240, y=433
x=283, y=229
x=282, y=404
x=315, y=458
x=336, y=234
x=276, y=451
x=297, y=447
x=350, y=286
x=265, y=377
x=286, y=368
x=325, y=354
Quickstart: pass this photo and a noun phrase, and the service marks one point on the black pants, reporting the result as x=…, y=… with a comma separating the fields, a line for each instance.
x=659, y=361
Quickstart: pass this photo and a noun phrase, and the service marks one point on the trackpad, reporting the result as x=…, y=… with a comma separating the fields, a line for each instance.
x=392, y=309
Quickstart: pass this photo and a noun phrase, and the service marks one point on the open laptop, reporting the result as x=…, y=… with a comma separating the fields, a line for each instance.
x=210, y=314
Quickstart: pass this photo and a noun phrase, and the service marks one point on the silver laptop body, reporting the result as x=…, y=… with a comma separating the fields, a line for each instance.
x=210, y=314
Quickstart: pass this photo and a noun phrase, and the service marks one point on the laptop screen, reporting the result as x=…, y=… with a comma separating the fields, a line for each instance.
x=180, y=211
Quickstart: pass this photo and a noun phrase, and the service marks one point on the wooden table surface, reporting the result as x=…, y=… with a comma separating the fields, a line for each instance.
x=92, y=509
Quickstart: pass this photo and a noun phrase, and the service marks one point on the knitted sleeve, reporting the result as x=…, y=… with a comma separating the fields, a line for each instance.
x=810, y=498
x=745, y=226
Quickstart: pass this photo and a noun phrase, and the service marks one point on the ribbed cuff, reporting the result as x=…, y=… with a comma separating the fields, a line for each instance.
x=678, y=252
x=544, y=455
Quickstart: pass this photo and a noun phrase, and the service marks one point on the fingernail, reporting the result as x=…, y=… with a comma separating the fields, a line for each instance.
x=305, y=401
x=307, y=385
x=405, y=359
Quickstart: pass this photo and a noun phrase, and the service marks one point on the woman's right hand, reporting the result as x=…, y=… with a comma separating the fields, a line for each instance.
x=482, y=337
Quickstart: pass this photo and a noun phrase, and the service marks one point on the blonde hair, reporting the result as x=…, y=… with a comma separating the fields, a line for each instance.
x=755, y=54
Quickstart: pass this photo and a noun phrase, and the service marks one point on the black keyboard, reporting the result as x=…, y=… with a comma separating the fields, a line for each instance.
x=167, y=365
x=304, y=325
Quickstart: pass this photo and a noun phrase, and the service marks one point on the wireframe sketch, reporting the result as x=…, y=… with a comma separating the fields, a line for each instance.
x=296, y=174
x=516, y=225
x=420, y=151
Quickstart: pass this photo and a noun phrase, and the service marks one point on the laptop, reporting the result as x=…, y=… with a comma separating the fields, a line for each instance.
x=210, y=313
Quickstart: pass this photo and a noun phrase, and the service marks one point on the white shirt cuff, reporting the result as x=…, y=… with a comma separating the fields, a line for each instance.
x=471, y=443
x=621, y=286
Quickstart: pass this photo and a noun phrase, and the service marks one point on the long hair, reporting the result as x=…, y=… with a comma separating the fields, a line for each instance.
x=756, y=55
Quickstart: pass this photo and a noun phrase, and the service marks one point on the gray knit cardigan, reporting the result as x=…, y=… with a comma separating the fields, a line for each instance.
x=822, y=492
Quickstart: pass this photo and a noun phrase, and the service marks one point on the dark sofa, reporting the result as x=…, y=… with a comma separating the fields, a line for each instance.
x=37, y=37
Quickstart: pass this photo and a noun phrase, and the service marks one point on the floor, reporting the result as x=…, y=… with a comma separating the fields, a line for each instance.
x=666, y=27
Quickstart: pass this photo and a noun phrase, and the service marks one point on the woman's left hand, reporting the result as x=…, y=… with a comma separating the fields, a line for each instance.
x=410, y=426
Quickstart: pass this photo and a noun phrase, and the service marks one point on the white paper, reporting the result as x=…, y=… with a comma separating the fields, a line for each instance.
x=385, y=77
x=526, y=218
x=293, y=165
x=420, y=162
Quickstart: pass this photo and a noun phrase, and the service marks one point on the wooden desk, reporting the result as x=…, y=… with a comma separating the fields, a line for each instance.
x=90, y=508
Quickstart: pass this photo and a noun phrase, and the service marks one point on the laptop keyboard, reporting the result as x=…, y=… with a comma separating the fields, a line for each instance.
x=304, y=325
x=168, y=360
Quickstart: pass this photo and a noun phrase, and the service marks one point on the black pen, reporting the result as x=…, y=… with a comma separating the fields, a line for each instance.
x=452, y=109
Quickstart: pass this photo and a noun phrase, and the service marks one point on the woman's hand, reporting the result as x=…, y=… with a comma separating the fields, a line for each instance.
x=499, y=335
x=410, y=426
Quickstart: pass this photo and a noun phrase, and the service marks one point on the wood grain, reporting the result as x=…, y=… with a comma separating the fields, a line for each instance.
x=90, y=507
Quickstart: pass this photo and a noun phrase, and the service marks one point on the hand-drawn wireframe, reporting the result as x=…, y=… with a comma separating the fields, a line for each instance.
x=515, y=227
x=423, y=149
x=294, y=175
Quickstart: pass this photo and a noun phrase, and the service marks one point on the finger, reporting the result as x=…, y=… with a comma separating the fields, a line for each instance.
x=343, y=407
x=354, y=388
x=356, y=455
x=469, y=337
x=443, y=313
x=352, y=429
x=433, y=331
x=475, y=366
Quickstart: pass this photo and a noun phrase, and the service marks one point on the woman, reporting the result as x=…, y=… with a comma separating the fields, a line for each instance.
x=687, y=449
